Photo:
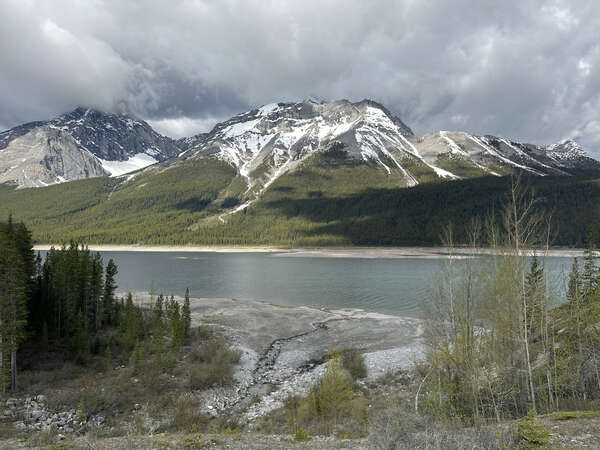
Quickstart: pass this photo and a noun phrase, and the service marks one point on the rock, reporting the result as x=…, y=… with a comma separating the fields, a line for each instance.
x=12, y=403
x=20, y=426
x=38, y=414
x=41, y=399
x=99, y=420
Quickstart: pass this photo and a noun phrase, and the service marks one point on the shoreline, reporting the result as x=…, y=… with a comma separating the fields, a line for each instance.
x=320, y=252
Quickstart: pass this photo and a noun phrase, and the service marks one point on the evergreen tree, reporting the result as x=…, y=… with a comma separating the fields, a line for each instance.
x=108, y=296
x=96, y=292
x=81, y=340
x=158, y=331
x=534, y=292
x=186, y=314
x=15, y=283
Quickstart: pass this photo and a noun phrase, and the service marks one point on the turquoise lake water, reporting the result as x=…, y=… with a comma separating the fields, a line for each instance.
x=397, y=286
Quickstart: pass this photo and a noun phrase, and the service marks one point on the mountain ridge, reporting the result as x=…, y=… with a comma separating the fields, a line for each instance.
x=264, y=143
x=83, y=143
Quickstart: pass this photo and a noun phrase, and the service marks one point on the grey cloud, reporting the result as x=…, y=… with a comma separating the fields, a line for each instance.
x=529, y=71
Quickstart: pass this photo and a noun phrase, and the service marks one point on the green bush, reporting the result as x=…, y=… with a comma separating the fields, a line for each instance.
x=302, y=435
x=330, y=405
x=531, y=434
x=354, y=362
x=213, y=364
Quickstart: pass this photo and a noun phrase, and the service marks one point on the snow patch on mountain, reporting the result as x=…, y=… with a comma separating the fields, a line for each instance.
x=135, y=162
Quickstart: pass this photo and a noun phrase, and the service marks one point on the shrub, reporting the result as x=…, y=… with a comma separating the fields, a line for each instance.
x=212, y=364
x=329, y=405
x=354, y=362
x=195, y=441
x=302, y=435
x=532, y=435
x=186, y=415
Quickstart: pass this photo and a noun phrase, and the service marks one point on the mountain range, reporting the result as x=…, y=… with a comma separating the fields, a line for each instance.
x=264, y=143
x=306, y=173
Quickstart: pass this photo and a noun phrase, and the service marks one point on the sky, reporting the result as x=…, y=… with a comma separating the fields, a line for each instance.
x=526, y=70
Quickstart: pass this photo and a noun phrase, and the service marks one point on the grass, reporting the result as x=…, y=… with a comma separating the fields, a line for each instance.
x=570, y=415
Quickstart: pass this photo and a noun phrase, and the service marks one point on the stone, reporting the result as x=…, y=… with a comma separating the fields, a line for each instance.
x=37, y=414
x=20, y=426
x=41, y=399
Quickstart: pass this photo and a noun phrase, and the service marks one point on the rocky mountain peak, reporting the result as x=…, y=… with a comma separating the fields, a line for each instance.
x=82, y=143
x=566, y=150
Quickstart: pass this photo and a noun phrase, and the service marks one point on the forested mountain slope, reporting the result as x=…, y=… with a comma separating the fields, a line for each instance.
x=319, y=204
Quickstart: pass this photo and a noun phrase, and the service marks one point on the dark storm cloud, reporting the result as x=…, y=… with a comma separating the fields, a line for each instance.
x=530, y=70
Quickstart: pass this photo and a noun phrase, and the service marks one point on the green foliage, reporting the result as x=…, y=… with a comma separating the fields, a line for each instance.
x=328, y=200
x=532, y=434
x=81, y=341
x=577, y=353
x=17, y=273
x=107, y=363
x=213, y=363
x=195, y=441
x=354, y=362
x=158, y=205
x=302, y=435
x=569, y=415
x=186, y=314
x=331, y=403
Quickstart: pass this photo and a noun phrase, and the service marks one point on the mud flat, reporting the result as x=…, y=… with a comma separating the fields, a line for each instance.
x=284, y=348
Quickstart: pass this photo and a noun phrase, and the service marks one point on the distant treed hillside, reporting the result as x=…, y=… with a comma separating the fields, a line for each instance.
x=328, y=201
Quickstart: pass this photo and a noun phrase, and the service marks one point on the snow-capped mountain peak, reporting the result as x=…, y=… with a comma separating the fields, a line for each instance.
x=567, y=150
x=268, y=141
x=80, y=144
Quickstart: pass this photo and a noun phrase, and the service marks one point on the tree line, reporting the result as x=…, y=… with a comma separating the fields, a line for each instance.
x=68, y=301
x=499, y=344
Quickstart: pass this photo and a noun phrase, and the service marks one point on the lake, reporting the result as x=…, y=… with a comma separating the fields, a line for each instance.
x=387, y=285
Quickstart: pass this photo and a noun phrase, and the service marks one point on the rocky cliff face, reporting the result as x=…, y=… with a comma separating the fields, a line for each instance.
x=81, y=144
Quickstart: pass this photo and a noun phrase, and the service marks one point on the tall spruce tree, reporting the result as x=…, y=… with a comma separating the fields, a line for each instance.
x=15, y=284
x=186, y=314
x=108, y=296
x=535, y=304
